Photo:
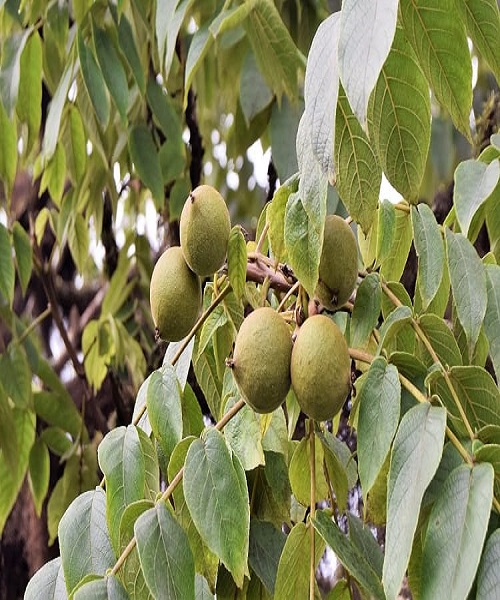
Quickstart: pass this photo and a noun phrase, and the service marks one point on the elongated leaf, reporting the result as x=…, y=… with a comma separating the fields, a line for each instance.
x=15, y=375
x=292, y=578
x=205, y=369
x=468, y=284
x=129, y=49
x=400, y=118
x=394, y=262
x=79, y=241
x=24, y=254
x=8, y=436
x=430, y=251
x=144, y=153
x=112, y=69
x=442, y=340
x=358, y=173
x=488, y=575
x=7, y=273
x=94, y=81
x=415, y=457
x=76, y=151
x=379, y=408
x=492, y=316
x=165, y=113
x=244, y=436
x=39, y=473
x=173, y=27
x=266, y=546
x=303, y=243
x=8, y=150
x=47, y=583
x=165, y=555
x=163, y=399
x=361, y=536
x=474, y=184
x=217, y=497
x=366, y=34
x=482, y=20
x=84, y=539
x=10, y=70
x=440, y=43
x=275, y=217
x=366, y=310
x=29, y=102
x=456, y=531
x=201, y=43
x=348, y=554
x=255, y=94
x=237, y=261
x=300, y=472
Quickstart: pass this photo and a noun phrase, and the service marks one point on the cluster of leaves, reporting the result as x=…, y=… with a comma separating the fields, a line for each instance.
x=426, y=407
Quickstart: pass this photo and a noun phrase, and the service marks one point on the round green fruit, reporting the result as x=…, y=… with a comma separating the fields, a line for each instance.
x=204, y=230
x=174, y=295
x=261, y=359
x=320, y=368
x=338, y=266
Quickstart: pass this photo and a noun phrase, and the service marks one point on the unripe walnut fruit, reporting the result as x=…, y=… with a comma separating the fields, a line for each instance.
x=261, y=359
x=338, y=266
x=320, y=368
x=204, y=230
x=174, y=295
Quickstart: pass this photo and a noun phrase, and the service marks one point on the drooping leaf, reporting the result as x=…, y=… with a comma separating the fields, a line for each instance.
x=84, y=539
x=430, y=251
x=275, y=217
x=165, y=555
x=456, y=531
x=15, y=375
x=474, y=184
x=76, y=150
x=24, y=254
x=367, y=30
x=79, y=241
x=378, y=418
x=488, y=575
x=399, y=318
x=440, y=42
x=102, y=588
x=8, y=436
x=205, y=369
x=255, y=94
x=283, y=132
x=362, y=537
x=217, y=497
x=358, y=173
x=237, y=261
x=201, y=43
x=183, y=363
x=7, y=273
x=366, y=310
x=300, y=472
x=468, y=284
x=94, y=81
x=10, y=69
x=492, y=316
x=47, y=583
x=394, y=262
x=8, y=150
x=349, y=554
x=400, y=119
x=415, y=457
x=39, y=473
x=165, y=113
x=266, y=547
x=129, y=49
x=29, y=102
x=144, y=154
x=244, y=436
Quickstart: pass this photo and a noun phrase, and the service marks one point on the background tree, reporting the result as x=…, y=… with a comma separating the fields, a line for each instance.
x=110, y=113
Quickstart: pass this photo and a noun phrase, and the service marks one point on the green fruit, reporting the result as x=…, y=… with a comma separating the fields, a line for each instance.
x=174, y=295
x=204, y=230
x=320, y=368
x=261, y=359
x=338, y=266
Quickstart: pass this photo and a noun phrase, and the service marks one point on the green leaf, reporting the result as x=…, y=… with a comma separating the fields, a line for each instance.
x=112, y=69
x=47, y=583
x=271, y=495
x=415, y=457
x=24, y=254
x=394, y=262
x=358, y=173
x=440, y=42
x=10, y=70
x=165, y=555
x=474, y=184
x=456, y=532
x=144, y=154
x=217, y=497
x=7, y=273
x=94, y=81
x=292, y=578
x=399, y=118
x=163, y=399
x=55, y=174
x=165, y=113
x=8, y=438
x=201, y=42
x=122, y=461
x=237, y=261
x=205, y=370
x=255, y=94
x=300, y=472
x=215, y=321
x=430, y=251
x=468, y=284
x=174, y=24
x=362, y=537
x=266, y=546
x=283, y=132
x=303, y=243
x=275, y=217
x=492, y=316
x=58, y=409
x=488, y=575
x=482, y=21
x=76, y=150
x=244, y=436
x=105, y=588
x=366, y=310
x=15, y=375
x=183, y=362
x=8, y=150
x=29, y=102
x=442, y=341
x=378, y=417
x=39, y=473
x=83, y=538
x=275, y=51
x=393, y=325
x=129, y=49
x=366, y=34
x=335, y=468
x=349, y=554
x=79, y=241
x=477, y=393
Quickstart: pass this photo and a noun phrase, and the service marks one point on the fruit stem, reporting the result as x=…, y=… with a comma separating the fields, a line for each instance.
x=312, y=462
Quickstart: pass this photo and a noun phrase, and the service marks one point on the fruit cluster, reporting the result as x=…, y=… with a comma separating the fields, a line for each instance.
x=266, y=362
